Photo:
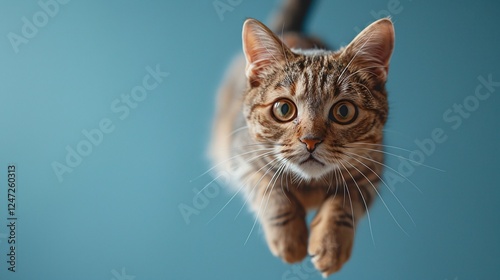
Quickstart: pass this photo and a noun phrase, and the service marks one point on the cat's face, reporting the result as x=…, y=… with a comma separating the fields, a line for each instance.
x=314, y=108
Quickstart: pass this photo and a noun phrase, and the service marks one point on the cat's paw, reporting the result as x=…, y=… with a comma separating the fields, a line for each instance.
x=330, y=246
x=288, y=242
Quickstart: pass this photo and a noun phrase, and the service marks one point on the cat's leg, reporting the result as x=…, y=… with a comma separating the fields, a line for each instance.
x=332, y=231
x=283, y=220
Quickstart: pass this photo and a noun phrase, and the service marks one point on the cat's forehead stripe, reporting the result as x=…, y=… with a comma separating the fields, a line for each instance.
x=314, y=84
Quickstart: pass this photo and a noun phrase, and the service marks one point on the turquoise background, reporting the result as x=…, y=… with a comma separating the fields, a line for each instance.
x=116, y=215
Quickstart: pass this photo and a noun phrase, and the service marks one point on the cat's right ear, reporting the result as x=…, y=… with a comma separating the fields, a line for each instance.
x=371, y=50
x=263, y=51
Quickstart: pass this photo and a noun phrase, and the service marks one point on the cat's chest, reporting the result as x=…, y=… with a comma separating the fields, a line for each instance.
x=311, y=196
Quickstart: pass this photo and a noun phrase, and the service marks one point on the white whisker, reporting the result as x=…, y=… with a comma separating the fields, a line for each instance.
x=255, y=185
x=381, y=198
x=398, y=156
x=364, y=202
x=235, y=194
x=228, y=160
x=209, y=183
x=390, y=168
x=238, y=130
x=265, y=207
x=404, y=208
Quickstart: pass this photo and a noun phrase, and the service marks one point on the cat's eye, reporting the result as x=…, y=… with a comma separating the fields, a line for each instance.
x=284, y=110
x=343, y=112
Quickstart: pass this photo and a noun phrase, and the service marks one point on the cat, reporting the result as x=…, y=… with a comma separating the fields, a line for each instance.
x=299, y=127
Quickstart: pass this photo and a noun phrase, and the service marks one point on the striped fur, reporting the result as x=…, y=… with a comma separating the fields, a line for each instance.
x=269, y=161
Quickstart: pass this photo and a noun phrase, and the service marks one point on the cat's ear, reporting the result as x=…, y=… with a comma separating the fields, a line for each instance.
x=371, y=50
x=263, y=50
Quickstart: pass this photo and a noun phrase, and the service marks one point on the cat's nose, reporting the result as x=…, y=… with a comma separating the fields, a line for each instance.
x=311, y=142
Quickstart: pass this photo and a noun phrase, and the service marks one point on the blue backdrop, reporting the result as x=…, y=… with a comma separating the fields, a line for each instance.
x=106, y=109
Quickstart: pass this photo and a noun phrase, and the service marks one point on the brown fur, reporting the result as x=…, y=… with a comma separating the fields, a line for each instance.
x=268, y=158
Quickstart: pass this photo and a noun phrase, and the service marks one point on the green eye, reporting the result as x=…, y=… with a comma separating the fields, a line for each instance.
x=284, y=110
x=343, y=112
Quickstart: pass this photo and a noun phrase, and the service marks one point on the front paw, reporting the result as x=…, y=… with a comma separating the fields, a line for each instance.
x=288, y=241
x=330, y=246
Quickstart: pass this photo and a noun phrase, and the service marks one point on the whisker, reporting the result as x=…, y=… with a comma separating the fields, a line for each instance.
x=330, y=183
x=393, y=194
x=390, y=168
x=236, y=193
x=326, y=181
x=227, y=203
x=398, y=156
x=228, y=160
x=380, y=145
x=272, y=182
x=287, y=176
x=282, y=185
x=260, y=206
x=238, y=130
x=362, y=198
x=255, y=185
x=381, y=198
x=338, y=180
x=242, y=187
x=209, y=183
x=264, y=145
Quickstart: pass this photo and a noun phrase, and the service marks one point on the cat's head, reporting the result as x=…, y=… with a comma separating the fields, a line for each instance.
x=314, y=107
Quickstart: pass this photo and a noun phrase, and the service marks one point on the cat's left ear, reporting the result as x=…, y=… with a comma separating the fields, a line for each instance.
x=263, y=50
x=371, y=50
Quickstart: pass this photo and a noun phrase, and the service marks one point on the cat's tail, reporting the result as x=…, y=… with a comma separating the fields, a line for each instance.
x=291, y=16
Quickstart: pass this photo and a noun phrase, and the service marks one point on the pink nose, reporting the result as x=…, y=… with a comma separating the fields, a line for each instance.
x=311, y=143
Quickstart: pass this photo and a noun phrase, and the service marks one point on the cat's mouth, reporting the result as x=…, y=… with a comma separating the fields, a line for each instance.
x=312, y=159
x=310, y=168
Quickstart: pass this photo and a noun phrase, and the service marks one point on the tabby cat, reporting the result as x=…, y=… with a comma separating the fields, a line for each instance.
x=299, y=127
